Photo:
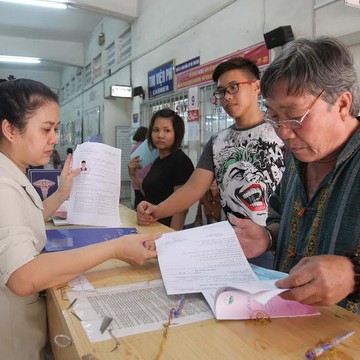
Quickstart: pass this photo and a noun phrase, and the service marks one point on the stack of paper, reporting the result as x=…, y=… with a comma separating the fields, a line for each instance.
x=209, y=259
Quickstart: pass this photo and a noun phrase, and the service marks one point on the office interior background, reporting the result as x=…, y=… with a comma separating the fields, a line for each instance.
x=155, y=53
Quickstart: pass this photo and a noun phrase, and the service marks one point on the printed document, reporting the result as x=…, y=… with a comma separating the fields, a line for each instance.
x=134, y=308
x=202, y=258
x=95, y=195
x=209, y=259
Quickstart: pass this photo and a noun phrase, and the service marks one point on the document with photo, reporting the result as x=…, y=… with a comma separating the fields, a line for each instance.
x=95, y=195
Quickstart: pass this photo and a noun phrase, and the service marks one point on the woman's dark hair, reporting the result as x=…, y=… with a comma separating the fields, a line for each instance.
x=140, y=134
x=178, y=125
x=69, y=150
x=20, y=98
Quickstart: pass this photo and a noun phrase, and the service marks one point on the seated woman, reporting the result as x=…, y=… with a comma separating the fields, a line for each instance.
x=29, y=122
x=171, y=169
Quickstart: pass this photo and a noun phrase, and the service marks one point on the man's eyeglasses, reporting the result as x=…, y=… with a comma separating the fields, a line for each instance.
x=231, y=89
x=291, y=123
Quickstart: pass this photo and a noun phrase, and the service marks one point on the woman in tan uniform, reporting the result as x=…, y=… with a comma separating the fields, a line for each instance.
x=29, y=119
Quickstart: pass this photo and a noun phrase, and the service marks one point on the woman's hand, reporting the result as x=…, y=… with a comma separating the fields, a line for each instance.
x=52, y=203
x=134, y=165
x=145, y=211
x=136, y=249
x=66, y=178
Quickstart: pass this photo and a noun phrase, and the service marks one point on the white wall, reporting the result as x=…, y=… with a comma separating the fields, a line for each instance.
x=50, y=78
x=209, y=29
x=338, y=20
x=116, y=112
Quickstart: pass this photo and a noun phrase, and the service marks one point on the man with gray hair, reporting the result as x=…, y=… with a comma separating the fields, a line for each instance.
x=312, y=101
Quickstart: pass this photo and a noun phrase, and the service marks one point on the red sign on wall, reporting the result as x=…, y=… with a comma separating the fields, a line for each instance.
x=193, y=115
x=203, y=74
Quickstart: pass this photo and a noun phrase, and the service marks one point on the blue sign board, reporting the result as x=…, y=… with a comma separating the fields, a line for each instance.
x=187, y=65
x=161, y=79
x=45, y=181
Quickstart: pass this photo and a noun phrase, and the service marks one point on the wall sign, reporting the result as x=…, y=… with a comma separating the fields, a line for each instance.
x=161, y=79
x=203, y=74
x=187, y=65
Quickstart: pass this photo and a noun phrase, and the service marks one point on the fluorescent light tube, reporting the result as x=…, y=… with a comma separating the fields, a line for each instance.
x=19, y=59
x=50, y=4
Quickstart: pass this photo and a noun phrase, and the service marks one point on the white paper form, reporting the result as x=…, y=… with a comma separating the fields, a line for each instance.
x=202, y=258
x=95, y=195
x=134, y=308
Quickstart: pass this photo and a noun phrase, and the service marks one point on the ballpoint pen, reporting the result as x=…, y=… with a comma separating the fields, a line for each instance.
x=72, y=303
x=180, y=306
x=319, y=350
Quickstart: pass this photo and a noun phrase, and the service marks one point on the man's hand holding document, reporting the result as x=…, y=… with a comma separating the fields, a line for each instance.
x=209, y=259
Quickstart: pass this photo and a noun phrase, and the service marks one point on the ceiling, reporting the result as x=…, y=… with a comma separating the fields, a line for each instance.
x=73, y=25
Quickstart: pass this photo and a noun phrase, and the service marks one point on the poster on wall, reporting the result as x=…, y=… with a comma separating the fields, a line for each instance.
x=123, y=46
x=193, y=98
x=123, y=142
x=97, y=66
x=78, y=135
x=62, y=134
x=187, y=65
x=91, y=123
x=68, y=134
x=161, y=79
x=135, y=119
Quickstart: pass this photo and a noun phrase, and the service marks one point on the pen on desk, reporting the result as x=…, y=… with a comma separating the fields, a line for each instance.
x=72, y=303
x=77, y=316
x=180, y=306
x=319, y=350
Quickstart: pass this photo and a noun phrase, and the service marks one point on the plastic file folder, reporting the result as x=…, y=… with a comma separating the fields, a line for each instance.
x=67, y=239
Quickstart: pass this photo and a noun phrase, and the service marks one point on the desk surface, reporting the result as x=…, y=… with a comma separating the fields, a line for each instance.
x=286, y=338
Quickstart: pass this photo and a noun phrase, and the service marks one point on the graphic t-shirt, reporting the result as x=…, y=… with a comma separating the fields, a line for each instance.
x=248, y=164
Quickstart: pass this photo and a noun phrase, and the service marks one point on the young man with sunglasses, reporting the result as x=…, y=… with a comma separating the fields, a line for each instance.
x=313, y=101
x=246, y=159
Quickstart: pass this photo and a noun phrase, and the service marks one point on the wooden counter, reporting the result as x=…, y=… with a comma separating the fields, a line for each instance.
x=287, y=338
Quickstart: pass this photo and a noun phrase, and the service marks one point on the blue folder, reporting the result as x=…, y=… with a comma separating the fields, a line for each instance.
x=67, y=239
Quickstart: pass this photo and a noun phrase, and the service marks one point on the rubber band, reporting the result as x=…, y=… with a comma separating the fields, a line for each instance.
x=59, y=341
